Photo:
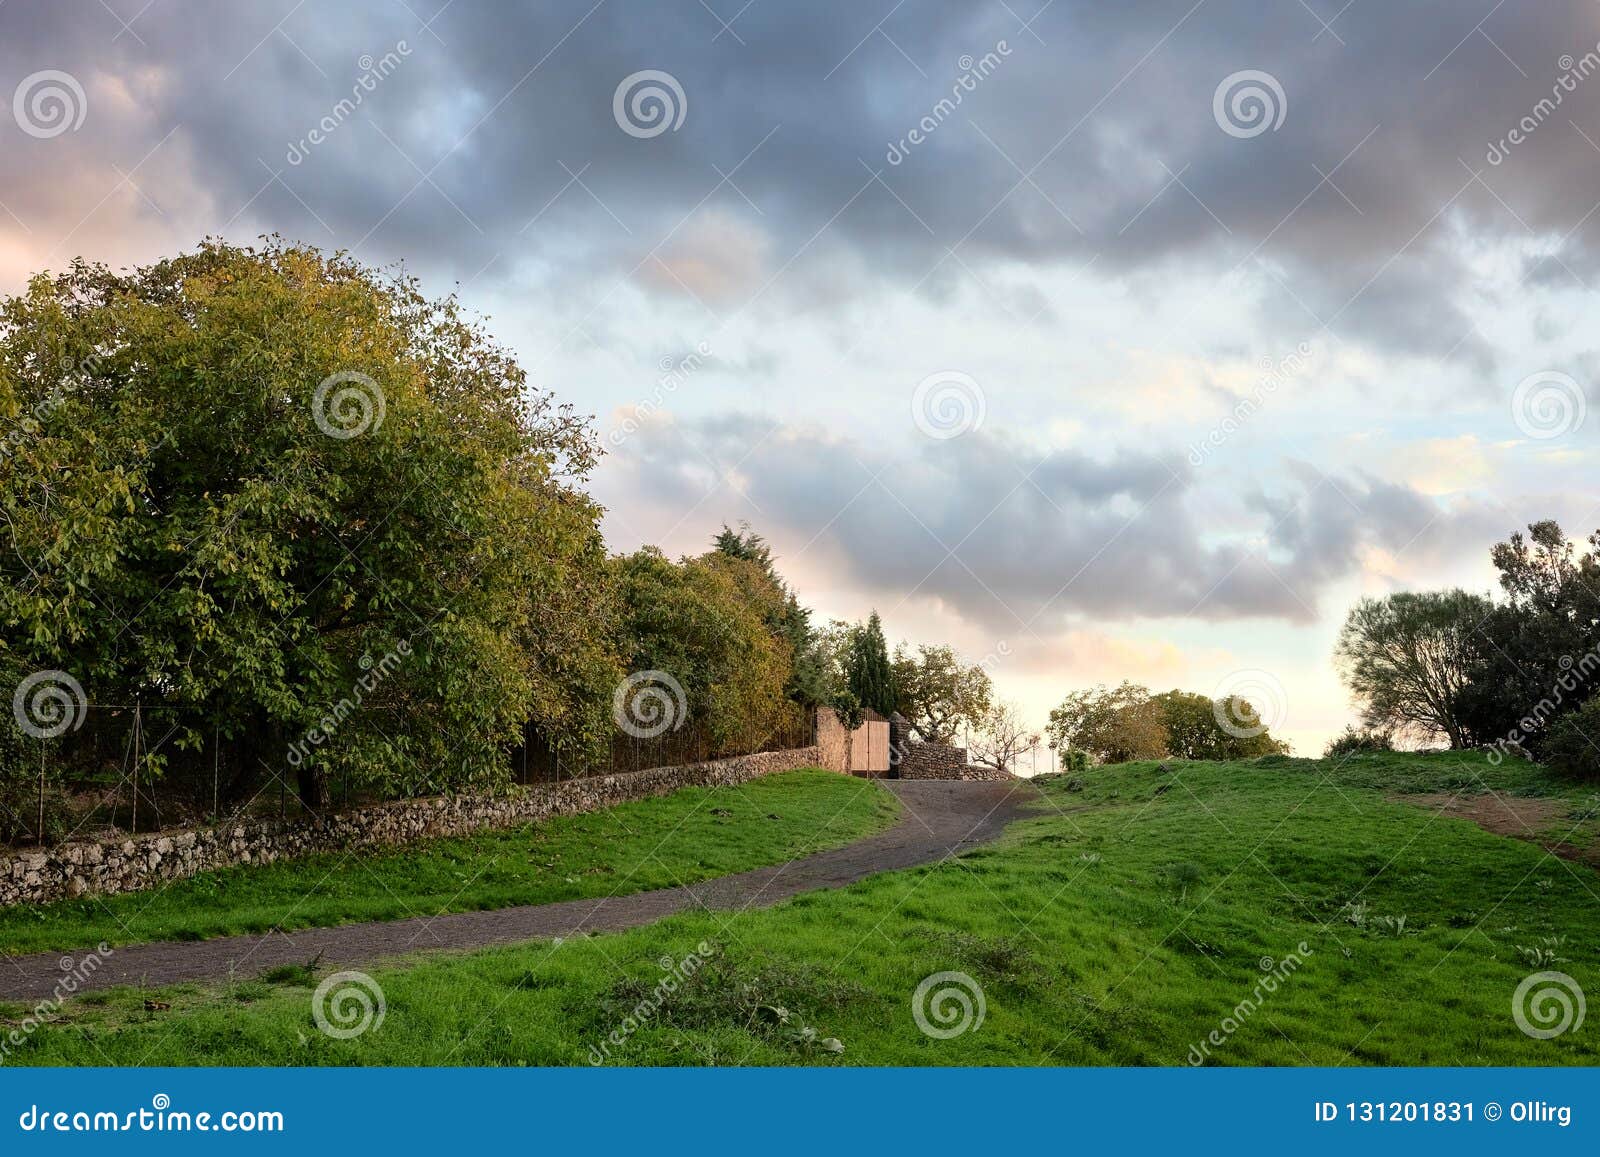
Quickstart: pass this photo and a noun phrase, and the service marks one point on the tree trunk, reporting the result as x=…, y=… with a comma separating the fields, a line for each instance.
x=313, y=792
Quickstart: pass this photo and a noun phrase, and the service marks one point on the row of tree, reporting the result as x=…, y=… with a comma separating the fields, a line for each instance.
x=1514, y=674
x=266, y=506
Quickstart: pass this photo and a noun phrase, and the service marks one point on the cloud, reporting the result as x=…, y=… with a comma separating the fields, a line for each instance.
x=495, y=138
x=1022, y=540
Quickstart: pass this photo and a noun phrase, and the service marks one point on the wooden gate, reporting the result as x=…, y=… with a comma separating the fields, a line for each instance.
x=869, y=746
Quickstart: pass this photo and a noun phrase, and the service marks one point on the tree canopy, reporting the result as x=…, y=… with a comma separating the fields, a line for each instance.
x=939, y=694
x=247, y=476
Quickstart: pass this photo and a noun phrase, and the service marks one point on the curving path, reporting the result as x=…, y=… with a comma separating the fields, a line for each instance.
x=939, y=818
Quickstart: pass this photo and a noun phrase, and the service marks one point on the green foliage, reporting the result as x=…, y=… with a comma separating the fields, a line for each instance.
x=1126, y=723
x=869, y=674
x=182, y=529
x=707, y=623
x=1353, y=742
x=1112, y=725
x=1407, y=659
x=1573, y=744
x=1195, y=731
x=939, y=694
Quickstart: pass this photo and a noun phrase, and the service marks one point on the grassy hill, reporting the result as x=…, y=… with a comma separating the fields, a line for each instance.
x=1135, y=921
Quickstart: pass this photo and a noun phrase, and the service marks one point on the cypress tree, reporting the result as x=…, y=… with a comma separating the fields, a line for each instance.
x=871, y=678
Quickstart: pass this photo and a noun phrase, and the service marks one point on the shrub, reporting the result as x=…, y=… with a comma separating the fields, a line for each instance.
x=1352, y=741
x=1570, y=745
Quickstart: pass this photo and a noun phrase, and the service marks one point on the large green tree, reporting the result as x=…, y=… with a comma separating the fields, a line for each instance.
x=1110, y=724
x=870, y=675
x=244, y=483
x=1408, y=657
x=696, y=623
x=939, y=694
x=1194, y=726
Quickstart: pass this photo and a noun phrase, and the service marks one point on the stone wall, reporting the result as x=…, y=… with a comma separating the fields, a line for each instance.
x=938, y=761
x=833, y=741
x=109, y=866
x=932, y=761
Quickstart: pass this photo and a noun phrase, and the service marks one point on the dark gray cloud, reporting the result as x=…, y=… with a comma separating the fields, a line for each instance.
x=495, y=140
x=1008, y=536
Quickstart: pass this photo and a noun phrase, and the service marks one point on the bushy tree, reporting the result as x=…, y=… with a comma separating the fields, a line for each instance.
x=241, y=479
x=1194, y=727
x=869, y=674
x=1573, y=743
x=696, y=622
x=1408, y=657
x=1114, y=725
x=1537, y=653
x=939, y=694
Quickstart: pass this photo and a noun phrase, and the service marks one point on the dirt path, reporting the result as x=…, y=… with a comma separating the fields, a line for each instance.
x=938, y=818
x=1532, y=819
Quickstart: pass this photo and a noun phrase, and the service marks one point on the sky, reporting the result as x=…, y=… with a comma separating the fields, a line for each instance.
x=1101, y=342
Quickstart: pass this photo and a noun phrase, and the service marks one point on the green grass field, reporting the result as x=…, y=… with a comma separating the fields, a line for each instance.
x=691, y=835
x=1140, y=913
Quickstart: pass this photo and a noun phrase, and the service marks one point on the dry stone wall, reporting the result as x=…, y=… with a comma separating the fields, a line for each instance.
x=938, y=761
x=129, y=865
